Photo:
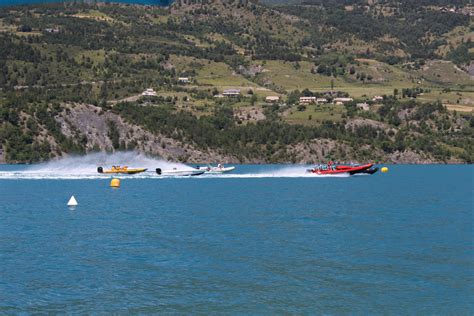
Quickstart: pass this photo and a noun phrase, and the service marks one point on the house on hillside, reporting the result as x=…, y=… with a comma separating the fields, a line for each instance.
x=321, y=100
x=307, y=100
x=52, y=30
x=272, y=99
x=469, y=11
x=363, y=106
x=149, y=93
x=377, y=98
x=342, y=100
x=231, y=93
x=184, y=80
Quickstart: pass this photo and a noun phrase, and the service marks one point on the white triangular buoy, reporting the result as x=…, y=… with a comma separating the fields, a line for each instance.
x=72, y=201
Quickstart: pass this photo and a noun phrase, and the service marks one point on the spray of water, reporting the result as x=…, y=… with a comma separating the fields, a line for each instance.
x=89, y=163
x=85, y=167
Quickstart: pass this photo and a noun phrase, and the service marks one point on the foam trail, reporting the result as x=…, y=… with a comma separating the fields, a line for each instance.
x=85, y=167
x=295, y=171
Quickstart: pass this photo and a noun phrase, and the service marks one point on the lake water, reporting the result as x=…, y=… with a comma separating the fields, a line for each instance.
x=265, y=240
x=148, y=2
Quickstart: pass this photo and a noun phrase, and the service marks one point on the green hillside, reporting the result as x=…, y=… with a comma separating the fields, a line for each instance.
x=414, y=58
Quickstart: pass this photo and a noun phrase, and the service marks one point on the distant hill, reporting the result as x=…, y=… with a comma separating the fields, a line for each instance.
x=72, y=77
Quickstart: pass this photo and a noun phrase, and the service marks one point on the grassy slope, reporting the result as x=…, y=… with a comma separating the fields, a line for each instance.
x=443, y=79
x=315, y=114
x=385, y=78
x=288, y=76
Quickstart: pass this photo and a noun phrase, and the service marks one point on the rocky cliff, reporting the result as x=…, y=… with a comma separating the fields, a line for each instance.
x=99, y=126
x=103, y=130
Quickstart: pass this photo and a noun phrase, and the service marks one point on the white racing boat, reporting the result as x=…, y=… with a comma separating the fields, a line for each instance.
x=179, y=173
x=216, y=170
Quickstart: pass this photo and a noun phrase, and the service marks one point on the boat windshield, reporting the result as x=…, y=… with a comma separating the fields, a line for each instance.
x=325, y=167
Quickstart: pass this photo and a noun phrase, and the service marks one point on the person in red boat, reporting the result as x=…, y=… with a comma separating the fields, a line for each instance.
x=330, y=165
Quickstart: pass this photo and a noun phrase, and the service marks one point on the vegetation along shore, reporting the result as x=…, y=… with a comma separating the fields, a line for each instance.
x=239, y=81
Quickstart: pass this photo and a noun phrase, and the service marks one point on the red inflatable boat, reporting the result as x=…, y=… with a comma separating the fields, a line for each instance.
x=331, y=168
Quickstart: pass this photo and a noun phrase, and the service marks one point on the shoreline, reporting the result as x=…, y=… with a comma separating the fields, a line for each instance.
x=276, y=164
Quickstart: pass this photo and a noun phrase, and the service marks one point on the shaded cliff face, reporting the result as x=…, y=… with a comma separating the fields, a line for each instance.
x=106, y=131
x=102, y=130
x=87, y=128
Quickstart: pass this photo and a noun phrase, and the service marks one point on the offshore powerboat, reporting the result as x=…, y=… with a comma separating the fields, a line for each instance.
x=333, y=169
x=120, y=170
x=179, y=173
x=216, y=170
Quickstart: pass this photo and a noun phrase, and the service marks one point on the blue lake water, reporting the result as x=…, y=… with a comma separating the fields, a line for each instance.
x=261, y=241
x=148, y=2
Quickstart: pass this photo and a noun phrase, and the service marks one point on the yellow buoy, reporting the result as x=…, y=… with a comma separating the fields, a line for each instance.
x=384, y=169
x=115, y=183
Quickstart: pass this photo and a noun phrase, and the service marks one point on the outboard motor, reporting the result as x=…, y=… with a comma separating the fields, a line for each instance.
x=158, y=170
x=373, y=170
x=100, y=170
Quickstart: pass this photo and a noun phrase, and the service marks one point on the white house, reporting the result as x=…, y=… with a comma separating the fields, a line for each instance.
x=149, y=93
x=52, y=30
x=363, y=106
x=377, y=98
x=342, y=100
x=184, y=80
x=321, y=100
x=272, y=99
x=231, y=93
x=307, y=100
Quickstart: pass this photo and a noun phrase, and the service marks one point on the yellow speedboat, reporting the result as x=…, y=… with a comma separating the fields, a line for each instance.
x=118, y=169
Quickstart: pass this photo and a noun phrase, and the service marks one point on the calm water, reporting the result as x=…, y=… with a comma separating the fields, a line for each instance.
x=149, y=2
x=390, y=243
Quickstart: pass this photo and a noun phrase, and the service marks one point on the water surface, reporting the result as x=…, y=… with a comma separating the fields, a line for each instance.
x=261, y=241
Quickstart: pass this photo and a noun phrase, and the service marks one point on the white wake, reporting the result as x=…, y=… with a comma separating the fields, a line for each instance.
x=85, y=167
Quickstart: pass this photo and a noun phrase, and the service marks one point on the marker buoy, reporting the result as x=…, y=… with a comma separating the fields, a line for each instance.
x=115, y=183
x=384, y=169
x=72, y=202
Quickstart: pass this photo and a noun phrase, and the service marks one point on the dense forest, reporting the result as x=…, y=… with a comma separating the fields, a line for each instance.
x=55, y=55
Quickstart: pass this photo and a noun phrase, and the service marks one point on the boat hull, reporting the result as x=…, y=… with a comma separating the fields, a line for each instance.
x=179, y=173
x=217, y=170
x=123, y=171
x=351, y=170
